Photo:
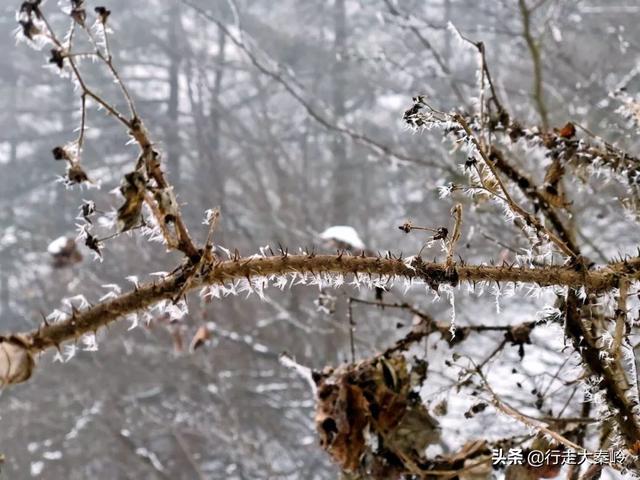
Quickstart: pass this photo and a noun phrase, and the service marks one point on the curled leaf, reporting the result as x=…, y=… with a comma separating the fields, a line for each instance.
x=92, y=242
x=167, y=203
x=16, y=361
x=200, y=338
x=60, y=153
x=369, y=419
x=57, y=58
x=568, y=131
x=133, y=188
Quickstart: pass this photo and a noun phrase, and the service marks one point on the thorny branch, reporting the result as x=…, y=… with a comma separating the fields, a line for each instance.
x=252, y=269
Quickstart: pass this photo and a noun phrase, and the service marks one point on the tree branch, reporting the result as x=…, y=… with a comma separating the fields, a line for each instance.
x=434, y=274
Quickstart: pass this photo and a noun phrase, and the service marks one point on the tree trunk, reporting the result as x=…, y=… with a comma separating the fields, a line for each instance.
x=172, y=134
x=342, y=169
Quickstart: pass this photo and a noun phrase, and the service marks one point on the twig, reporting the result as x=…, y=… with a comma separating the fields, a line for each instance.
x=456, y=212
x=144, y=296
x=286, y=360
x=352, y=327
x=621, y=319
x=517, y=209
x=135, y=128
x=534, y=49
x=522, y=418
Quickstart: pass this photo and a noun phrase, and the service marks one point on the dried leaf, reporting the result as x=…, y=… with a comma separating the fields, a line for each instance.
x=132, y=189
x=568, y=131
x=57, y=58
x=202, y=335
x=341, y=418
x=369, y=400
x=64, y=252
x=167, y=203
x=93, y=243
x=16, y=361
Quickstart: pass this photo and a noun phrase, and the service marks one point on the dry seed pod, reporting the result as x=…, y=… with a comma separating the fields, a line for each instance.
x=75, y=174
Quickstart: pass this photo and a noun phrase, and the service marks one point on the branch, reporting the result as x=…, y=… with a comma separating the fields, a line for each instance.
x=515, y=207
x=250, y=269
x=456, y=212
x=531, y=191
x=534, y=50
x=614, y=386
x=149, y=157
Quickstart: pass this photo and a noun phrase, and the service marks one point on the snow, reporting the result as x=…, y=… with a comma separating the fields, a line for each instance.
x=36, y=468
x=57, y=246
x=343, y=233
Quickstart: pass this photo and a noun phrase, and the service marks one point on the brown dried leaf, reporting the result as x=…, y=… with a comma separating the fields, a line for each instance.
x=133, y=189
x=373, y=399
x=568, y=131
x=200, y=338
x=16, y=361
x=341, y=418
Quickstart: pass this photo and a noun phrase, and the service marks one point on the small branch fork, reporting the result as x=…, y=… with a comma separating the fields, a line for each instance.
x=456, y=212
